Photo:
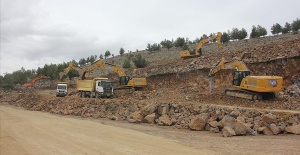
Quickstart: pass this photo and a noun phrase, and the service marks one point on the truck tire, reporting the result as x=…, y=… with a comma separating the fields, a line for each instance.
x=82, y=94
x=98, y=95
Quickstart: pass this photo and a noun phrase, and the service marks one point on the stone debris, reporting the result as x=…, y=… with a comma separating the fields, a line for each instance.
x=201, y=118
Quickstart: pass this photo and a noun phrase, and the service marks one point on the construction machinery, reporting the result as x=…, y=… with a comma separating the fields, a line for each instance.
x=97, y=87
x=61, y=89
x=198, y=51
x=125, y=82
x=70, y=67
x=247, y=86
x=32, y=82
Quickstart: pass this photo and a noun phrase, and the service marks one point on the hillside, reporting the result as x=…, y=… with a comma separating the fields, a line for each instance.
x=273, y=55
x=178, y=91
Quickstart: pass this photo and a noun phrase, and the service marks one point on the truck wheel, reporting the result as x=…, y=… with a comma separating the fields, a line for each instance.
x=82, y=94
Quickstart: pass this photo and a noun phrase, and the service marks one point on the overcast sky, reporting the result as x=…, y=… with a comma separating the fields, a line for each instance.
x=38, y=32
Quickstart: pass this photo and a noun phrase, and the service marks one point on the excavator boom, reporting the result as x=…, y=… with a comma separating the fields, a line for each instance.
x=224, y=64
x=198, y=51
x=32, y=82
x=70, y=67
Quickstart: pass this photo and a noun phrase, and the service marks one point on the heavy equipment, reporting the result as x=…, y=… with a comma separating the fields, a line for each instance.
x=247, y=86
x=70, y=67
x=32, y=82
x=97, y=87
x=61, y=89
x=198, y=51
x=125, y=82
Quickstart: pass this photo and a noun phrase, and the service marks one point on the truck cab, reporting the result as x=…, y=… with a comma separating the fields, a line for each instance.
x=61, y=89
x=104, y=88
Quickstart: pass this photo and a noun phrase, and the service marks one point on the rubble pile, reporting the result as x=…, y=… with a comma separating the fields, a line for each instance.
x=229, y=121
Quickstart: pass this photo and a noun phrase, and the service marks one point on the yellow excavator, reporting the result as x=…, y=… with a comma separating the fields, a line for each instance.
x=125, y=81
x=198, y=51
x=247, y=86
x=71, y=66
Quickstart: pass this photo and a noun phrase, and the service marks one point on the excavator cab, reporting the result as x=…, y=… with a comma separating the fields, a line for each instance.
x=238, y=76
x=124, y=80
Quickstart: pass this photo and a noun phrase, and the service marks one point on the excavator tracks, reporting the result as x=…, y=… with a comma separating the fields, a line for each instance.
x=249, y=94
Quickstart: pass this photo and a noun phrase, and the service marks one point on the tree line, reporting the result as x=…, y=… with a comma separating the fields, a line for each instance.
x=234, y=34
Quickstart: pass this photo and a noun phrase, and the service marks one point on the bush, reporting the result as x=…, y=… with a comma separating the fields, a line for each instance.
x=166, y=44
x=127, y=64
x=122, y=51
x=225, y=37
x=296, y=25
x=139, y=61
x=258, y=31
x=179, y=42
x=276, y=28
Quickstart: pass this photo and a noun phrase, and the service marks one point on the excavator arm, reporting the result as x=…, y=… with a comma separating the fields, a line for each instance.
x=224, y=64
x=83, y=73
x=71, y=66
x=32, y=82
x=203, y=41
x=197, y=51
x=118, y=70
x=101, y=64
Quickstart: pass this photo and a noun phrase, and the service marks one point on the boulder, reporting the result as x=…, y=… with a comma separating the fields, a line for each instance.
x=234, y=113
x=164, y=120
x=214, y=124
x=265, y=130
x=214, y=130
x=198, y=122
x=275, y=129
x=163, y=109
x=295, y=129
x=239, y=127
x=228, y=132
x=150, y=118
x=293, y=120
x=149, y=109
x=227, y=121
x=137, y=117
x=269, y=118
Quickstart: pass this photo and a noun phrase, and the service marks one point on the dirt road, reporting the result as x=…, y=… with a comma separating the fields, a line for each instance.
x=32, y=132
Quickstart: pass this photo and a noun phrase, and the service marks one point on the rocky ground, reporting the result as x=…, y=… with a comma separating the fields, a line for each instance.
x=177, y=94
